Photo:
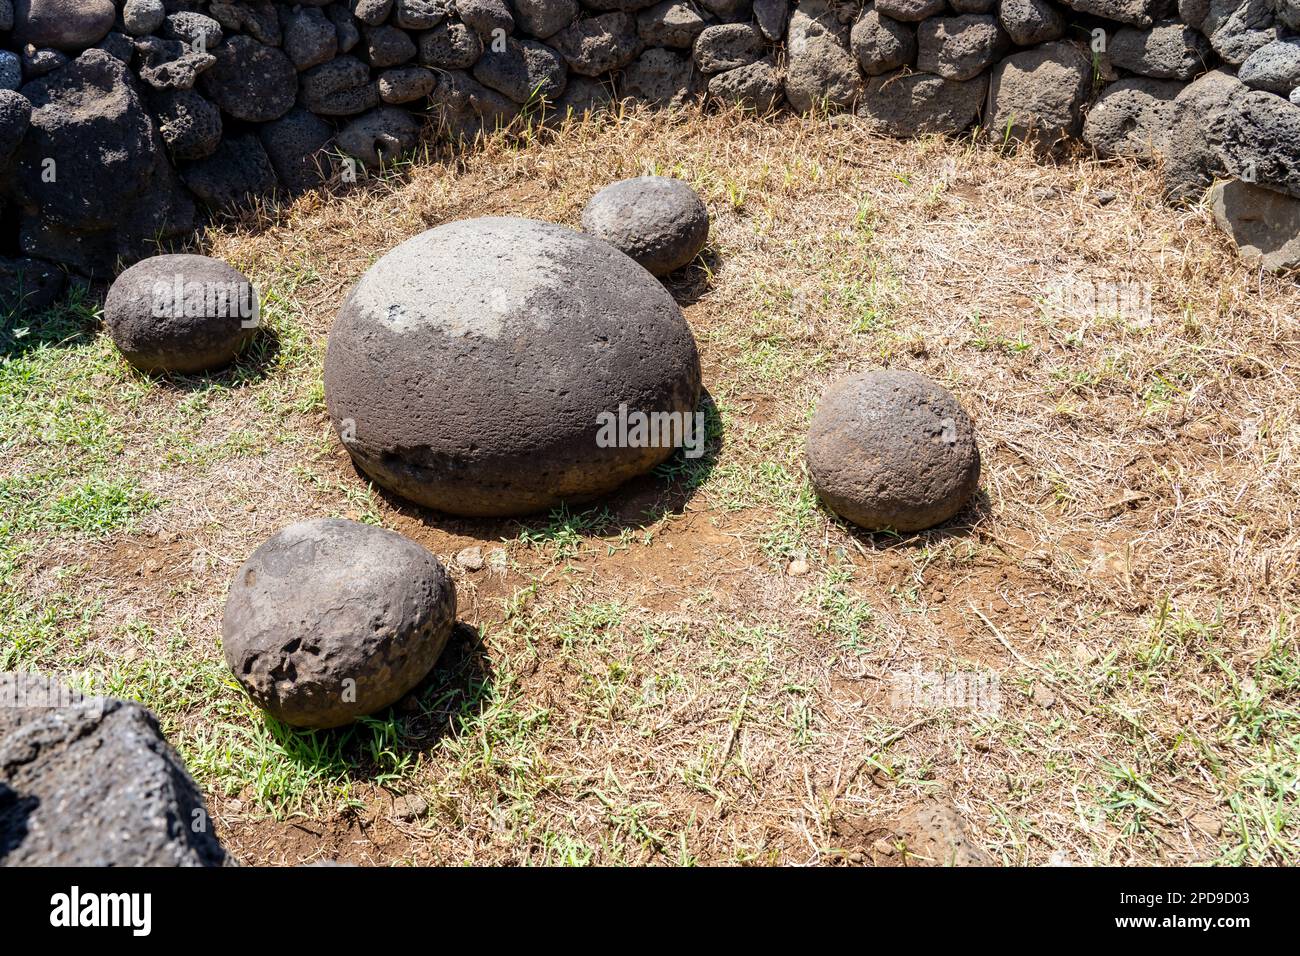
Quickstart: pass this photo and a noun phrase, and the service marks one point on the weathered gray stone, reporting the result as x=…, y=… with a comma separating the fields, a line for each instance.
x=309, y=37
x=181, y=314
x=523, y=71
x=1194, y=153
x=341, y=87
x=95, y=784
x=545, y=18
x=141, y=17
x=68, y=25
x=1261, y=141
x=672, y=23
x=194, y=29
x=251, y=81
x=1038, y=94
x=387, y=46
x=450, y=46
x=911, y=11
x=380, y=136
x=331, y=620
x=892, y=451
x=190, y=125
x=1168, y=51
x=1138, y=13
x=372, y=12
x=485, y=16
x=1132, y=118
x=1030, y=22
x=1237, y=28
x=882, y=44
x=406, y=84
x=661, y=78
x=1263, y=223
x=256, y=18
x=420, y=14
x=596, y=45
x=821, y=73
x=236, y=174
x=912, y=104
x=15, y=120
x=756, y=87
x=296, y=146
x=726, y=46
x=960, y=48
x=1274, y=67
x=772, y=17
x=170, y=64
x=660, y=222
x=470, y=368
x=88, y=121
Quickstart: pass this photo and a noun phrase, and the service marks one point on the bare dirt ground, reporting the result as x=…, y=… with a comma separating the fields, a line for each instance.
x=706, y=667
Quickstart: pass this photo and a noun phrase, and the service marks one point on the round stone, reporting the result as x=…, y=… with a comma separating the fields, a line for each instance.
x=181, y=313
x=141, y=17
x=483, y=368
x=331, y=620
x=70, y=25
x=892, y=451
x=658, y=221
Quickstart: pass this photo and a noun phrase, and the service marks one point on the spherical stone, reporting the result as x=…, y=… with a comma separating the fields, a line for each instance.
x=660, y=222
x=181, y=313
x=330, y=620
x=142, y=17
x=892, y=450
x=477, y=367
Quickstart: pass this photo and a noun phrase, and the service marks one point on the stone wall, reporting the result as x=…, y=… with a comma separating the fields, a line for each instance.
x=123, y=122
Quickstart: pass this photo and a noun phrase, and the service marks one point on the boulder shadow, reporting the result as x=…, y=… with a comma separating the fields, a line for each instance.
x=964, y=524
x=15, y=811
x=638, y=503
x=376, y=748
x=694, y=280
x=255, y=362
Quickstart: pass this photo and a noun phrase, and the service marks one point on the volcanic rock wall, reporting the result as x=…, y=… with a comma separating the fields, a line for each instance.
x=122, y=122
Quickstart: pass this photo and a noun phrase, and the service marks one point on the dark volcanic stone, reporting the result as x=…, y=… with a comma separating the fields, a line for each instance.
x=96, y=784
x=469, y=368
x=892, y=450
x=660, y=222
x=523, y=70
x=380, y=136
x=672, y=23
x=183, y=314
x=1168, y=51
x=1132, y=118
x=331, y=620
x=340, y=87
x=726, y=46
x=406, y=84
x=71, y=25
x=882, y=44
x=28, y=286
x=1029, y=22
x=661, y=78
x=1261, y=141
x=388, y=46
x=189, y=124
x=295, y=145
x=250, y=81
x=960, y=48
x=821, y=73
x=236, y=173
x=450, y=46
x=15, y=118
x=1194, y=150
x=910, y=10
x=755, y=87
x=1038, y=94
x=910, y=104
x=544, y=18
x=596, y=45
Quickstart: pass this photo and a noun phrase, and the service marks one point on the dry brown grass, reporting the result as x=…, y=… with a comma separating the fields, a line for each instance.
x=663, y=688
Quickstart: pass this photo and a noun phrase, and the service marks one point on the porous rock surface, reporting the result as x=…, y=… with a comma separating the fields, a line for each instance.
x=94, y=783
x=330, y=620
x=198, y=84
x=892, y=450
x=467, y=369
x=181, y=313
x=660, y=222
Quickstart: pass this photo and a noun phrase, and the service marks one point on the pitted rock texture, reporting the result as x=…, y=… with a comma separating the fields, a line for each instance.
x=892, y=451
x=181, y=313
x=96, y=784
x=331, y=620
x=469, y=368
x=660, y=222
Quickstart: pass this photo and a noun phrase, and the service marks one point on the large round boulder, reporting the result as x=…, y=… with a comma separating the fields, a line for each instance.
x=892, y=451
x=474, y=367
x=181, y=313
x=660, y=222
x=331, y=620
x=71, y=25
